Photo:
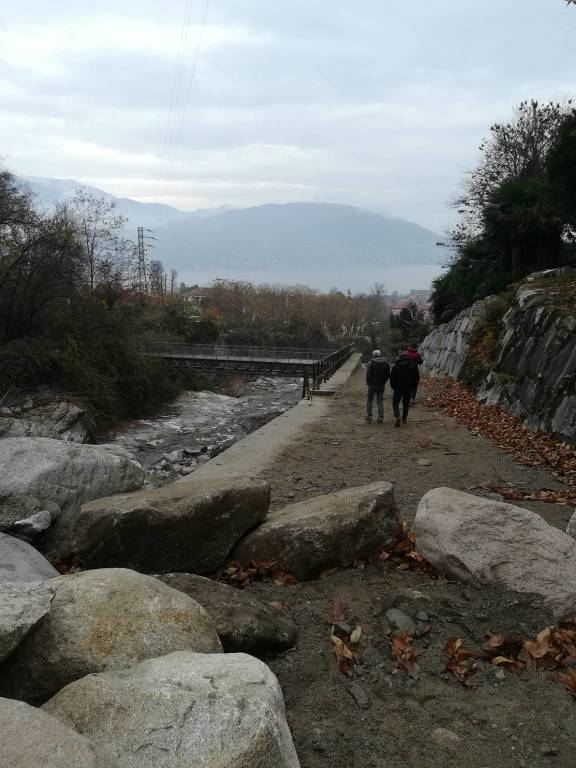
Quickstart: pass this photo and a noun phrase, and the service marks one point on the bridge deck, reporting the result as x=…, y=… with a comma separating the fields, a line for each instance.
x=314, y=365
x=239, y=359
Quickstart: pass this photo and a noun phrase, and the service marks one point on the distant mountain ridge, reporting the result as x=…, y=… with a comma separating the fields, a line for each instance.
x=296, y=234
x=324, y=244
x=48, y=192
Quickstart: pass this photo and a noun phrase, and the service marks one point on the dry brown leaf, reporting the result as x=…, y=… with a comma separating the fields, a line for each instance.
x=344, y=654
x=404, y=651
x=494, y=641
x=568, y=680
x=462, y=663
x=284, y=579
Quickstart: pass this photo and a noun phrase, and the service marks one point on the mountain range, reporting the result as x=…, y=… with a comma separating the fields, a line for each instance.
x=319, y=244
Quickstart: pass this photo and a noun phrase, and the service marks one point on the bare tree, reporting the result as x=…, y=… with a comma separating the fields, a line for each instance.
x=107, y=254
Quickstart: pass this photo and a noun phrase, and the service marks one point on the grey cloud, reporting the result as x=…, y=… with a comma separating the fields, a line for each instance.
x=378, y=104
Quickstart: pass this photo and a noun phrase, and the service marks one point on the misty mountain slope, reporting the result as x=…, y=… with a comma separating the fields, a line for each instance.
x=48, y=192
x=294, y=234
x=321, y=244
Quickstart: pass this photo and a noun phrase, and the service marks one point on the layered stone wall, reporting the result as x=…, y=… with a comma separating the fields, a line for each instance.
x=445, y=350
x=533, y=375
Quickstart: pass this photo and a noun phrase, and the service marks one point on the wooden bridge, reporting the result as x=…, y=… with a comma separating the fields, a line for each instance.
x=313, y=365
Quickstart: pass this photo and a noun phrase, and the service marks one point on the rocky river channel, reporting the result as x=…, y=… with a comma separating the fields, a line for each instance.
x=200, y=425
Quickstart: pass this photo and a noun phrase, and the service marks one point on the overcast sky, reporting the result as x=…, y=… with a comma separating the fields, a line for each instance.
x=378, y=103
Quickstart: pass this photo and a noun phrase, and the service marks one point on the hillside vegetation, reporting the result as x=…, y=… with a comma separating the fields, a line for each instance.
x=517, y=208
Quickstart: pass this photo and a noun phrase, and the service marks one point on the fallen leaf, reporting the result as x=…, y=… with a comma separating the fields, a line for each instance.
x=568, y=680
x=462, y=663
x=403, y=650
x=344, y=654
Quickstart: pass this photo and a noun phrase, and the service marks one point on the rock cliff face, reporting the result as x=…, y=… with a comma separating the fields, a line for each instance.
x=532, y=373
x=445, y=350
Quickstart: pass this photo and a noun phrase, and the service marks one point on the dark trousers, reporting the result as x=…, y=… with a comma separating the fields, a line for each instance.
x=404, y=396
x=376, y=391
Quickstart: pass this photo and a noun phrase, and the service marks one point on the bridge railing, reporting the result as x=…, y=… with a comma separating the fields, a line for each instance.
x=225, y=352
x=328, y=365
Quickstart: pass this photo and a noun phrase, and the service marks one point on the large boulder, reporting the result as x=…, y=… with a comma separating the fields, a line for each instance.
x=99, y=620
x=19, y=561
x=243, y=623
x=183, y=709
x=325, y=531
x=65, y=473
x=22, y=605
x=31, y=738
x=188, y=526
x=474, y=538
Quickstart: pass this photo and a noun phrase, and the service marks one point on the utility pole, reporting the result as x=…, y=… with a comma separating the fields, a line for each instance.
x=143, y=244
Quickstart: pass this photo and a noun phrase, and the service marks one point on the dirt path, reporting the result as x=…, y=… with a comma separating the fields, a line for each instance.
x=429, y=719
x=342, y=451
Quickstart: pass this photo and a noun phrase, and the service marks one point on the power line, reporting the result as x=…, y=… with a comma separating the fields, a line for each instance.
x=175, y=94
x=175, y=139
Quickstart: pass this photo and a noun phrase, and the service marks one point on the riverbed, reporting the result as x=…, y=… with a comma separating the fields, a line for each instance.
x=200, y=425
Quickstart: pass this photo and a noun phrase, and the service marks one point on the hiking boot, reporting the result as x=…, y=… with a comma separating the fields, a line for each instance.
x=397, y=423
x=380, y=420
x=403, y=421
x=369, y=419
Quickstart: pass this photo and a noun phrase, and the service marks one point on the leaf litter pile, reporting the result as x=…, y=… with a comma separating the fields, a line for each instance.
x=492, y=421
x=513, y=493
x=238, y=575
x=552, y=649
x=403, y=557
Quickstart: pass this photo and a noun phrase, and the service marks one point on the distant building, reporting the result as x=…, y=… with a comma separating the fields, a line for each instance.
x=195, y=295
x=420, y=297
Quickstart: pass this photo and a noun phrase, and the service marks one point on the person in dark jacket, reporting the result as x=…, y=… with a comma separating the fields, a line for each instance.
x=412, y=354
x=377, y=374
x=404, y=379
